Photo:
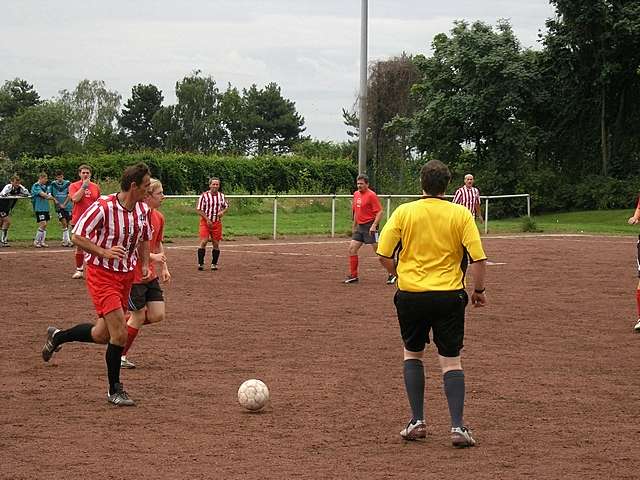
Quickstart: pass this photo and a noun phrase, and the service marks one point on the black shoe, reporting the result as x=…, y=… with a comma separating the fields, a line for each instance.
x=351, y=279
x=201, y=267
x=50, y=347
x=391, y=279
x=214, y=266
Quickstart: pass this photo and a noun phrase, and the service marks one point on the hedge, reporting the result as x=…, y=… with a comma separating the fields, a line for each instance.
x=183, y=173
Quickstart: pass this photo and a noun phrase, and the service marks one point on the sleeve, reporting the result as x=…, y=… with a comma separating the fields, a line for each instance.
x=5, y=191
x=147, y=229
x=199, y=205
x=73, y=189
x=98, y=192
x=50, y=189
x=391, y=235
x=225, y=204
x=91, y=220
x=161, y=229
x=24, y=191
x=376, y=206
x=471, y=238
x=457, y=196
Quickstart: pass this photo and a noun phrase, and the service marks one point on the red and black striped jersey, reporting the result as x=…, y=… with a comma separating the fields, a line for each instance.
x=469, y=197
x=212, y=204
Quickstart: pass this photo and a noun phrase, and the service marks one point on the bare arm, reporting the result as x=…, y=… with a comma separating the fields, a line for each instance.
x=144, y=257
x=376, y=221
x=635, y=218
x=479, y=272
x=389, y=264
x=79, y=195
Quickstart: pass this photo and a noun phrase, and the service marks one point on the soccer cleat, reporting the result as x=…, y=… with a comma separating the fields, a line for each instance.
x=351, y=279
x=214, y=266
x=126, y=363
x=120, y=398
x=50, y=347
x=461, y=437
x=391, y=279
x=637, y=326
x=44, y=245
x=77, y=274
x=37, y=244
x=201, y=267
x=414, y=430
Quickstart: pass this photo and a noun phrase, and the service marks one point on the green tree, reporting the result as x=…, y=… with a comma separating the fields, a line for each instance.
x=137, y=115
x=92, y=110
x=273, y=123
x=15, y=95
x=233, y=111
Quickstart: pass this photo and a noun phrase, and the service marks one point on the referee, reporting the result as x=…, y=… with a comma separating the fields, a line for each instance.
x=432, y=239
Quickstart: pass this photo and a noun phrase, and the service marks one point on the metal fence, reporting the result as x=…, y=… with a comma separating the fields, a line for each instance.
x=388, y=199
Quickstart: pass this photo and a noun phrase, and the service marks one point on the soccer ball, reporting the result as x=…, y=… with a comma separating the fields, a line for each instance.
x=253, y=395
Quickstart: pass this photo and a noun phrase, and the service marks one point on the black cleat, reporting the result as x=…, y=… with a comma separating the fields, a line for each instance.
x=351, y=279
x=201, y=267
x=49, y=346
x=391, y=279
x=120, y=398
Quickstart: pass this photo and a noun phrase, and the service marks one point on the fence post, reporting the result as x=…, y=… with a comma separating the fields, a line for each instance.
x=528, y=205
x=388, y=207
x=333, y=216
x=275, y=217
x=486, y=216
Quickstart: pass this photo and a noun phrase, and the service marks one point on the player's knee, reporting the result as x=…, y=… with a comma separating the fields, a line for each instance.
x=99, y=336
x=155, y=317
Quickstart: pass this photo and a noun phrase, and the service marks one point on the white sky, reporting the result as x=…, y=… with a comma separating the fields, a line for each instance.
x=310, y=48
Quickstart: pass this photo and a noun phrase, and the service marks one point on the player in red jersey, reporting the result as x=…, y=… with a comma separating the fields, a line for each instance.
x=146, y=301
x=469, y=196
x=82, y=193
x=633, y=220
x=367, y=213
x=112, y=232
x=211, y=207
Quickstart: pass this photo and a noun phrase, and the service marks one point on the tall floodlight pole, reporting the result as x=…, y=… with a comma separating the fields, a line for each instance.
x=362, y=143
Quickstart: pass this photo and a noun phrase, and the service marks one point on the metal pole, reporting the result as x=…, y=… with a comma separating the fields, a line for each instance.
x=333, y=216
x=528, y=205
x=362, y=140
x=486, y=216
x=275, y=217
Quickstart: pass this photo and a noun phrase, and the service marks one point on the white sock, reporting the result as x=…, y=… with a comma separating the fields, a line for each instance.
x=44, y=235
x=4, y=236
x=65, y=235
x=39, y=236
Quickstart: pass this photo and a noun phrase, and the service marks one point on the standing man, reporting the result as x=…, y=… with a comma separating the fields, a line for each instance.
x=211, y=207
x=109, y=232
x=367, y=212
x=82, y=193
x=146, y=300
x=59, y=190
x=469, y=196
x=633, y=220
x=40, y=197
x=13, y=189
x=432, y=239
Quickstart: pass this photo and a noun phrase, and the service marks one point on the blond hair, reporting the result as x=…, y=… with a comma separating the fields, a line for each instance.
x=154, y=185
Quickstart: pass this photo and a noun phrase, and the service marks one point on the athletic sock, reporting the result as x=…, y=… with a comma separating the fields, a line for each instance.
x=39, y=235
x=638, y=301
x=65, y=235
x=44, y=235
x=353, y=264
x=5, y=235
x=454, y=390
x=79, y=261
x=77, y=333
x=216, y=256
x=114, y=353
x=132, y=332
x=201, y=252
x=414, y=383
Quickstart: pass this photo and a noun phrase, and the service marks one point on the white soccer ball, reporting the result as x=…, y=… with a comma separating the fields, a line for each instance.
x=253, y=395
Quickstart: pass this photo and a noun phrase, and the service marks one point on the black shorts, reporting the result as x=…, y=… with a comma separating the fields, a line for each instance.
x=42, y=217
x=442, y=312
x=363, y=235
x=64, y=214
x=142, y=293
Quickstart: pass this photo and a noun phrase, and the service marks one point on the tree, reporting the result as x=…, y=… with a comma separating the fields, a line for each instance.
x=273, y=123
x=233, y=111
x=15, y=95
x=38, y=131
x=92, y=110
x=137, y=114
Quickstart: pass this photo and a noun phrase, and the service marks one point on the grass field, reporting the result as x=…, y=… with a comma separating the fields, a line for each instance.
x=253, y=217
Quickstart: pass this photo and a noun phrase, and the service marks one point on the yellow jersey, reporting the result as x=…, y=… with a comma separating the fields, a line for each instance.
x=432, y=237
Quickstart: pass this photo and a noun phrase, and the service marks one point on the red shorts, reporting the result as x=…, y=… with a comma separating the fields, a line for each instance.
x=109, y=290
x=215, y=231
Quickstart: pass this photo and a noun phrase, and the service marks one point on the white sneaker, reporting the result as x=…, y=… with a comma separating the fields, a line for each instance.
x=37, y=244
x=125, y=363
x=461, y=437
x=78, y=274
x=637, y=326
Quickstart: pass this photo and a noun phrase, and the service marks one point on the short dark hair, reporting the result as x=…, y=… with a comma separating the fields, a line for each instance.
x=15, y=177
x=364, y=177
x=84, y=167
x=134, y=173
x=59, y=172
x=434, y=177
x=214, y=178
x=42, y=175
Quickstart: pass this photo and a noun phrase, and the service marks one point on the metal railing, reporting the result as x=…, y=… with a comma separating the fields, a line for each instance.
x=388, y=198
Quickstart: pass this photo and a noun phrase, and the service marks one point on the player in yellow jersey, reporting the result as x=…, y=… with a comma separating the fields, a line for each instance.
x=433, y=240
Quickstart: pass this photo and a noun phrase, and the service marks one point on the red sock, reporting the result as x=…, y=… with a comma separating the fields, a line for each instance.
x=638, y=301
x=131, y=336
x=79, y=260
x=353, y=263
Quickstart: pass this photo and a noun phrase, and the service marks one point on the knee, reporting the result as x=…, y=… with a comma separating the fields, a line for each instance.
x=409, y=355
x=119, y=338
x=100, y=336
x=450, y=363
x=155, y=317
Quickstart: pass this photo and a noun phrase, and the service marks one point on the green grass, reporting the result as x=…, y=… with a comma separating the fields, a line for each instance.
x=252, y=217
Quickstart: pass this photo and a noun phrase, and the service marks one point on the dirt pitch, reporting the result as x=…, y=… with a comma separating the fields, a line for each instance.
x=553, y=390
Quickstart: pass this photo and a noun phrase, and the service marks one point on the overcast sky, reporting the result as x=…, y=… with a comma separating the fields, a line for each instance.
x=310, y=48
